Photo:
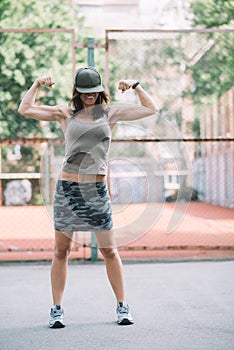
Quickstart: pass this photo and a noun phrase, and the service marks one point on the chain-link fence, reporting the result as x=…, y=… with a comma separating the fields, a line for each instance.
x=159, y=202
x=190, y=74
x=171, y=176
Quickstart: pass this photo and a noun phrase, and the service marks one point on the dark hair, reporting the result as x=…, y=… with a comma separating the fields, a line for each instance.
x=101, y=103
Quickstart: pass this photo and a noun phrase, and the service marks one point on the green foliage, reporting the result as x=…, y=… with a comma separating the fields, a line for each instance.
x=213, y=73
x=25, y=56
x=196, y=129
x=29, y=161
x=213, y=13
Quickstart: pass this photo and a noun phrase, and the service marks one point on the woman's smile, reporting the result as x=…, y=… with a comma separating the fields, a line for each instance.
x=89, y=98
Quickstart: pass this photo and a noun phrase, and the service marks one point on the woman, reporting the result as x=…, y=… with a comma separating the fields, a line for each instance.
x=81, y=201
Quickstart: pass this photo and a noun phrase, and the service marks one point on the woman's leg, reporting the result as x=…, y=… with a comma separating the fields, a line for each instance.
x=114, y=267
x=59, y=265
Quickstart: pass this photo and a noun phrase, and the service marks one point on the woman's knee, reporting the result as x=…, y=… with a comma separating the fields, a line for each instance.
x=61, y=252
x=62, y=245
x=108, y=253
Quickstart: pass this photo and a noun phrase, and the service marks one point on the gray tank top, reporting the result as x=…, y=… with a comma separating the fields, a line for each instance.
x=87, y=146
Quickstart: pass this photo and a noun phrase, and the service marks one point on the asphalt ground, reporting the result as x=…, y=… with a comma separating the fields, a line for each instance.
x=176, y=306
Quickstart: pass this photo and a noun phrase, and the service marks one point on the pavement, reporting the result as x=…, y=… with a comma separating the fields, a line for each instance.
x=176, y=306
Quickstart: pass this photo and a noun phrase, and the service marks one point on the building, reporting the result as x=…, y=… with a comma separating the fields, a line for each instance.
x=133, y=14
x=102, y=14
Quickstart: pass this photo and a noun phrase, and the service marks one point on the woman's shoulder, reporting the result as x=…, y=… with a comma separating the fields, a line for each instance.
x=112, y=109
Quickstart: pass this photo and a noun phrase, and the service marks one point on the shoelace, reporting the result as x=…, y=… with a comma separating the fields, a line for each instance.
x=56, y=313
x=123, y=309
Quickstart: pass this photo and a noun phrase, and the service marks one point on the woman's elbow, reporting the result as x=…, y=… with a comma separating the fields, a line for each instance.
x=155, y=108
x=22, y=110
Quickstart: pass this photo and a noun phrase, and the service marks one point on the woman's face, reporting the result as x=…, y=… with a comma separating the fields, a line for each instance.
x=89, y=99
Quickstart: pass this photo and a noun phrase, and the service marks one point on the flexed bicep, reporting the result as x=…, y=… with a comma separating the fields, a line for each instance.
x=43, y=112
x=128, y=112
x=29, y=108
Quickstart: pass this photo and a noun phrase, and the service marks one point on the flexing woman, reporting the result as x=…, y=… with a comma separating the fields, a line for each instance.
x=81, y=201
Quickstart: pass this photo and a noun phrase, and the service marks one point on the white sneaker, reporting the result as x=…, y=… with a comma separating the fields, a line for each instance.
x=56, y=317
x=123, y=314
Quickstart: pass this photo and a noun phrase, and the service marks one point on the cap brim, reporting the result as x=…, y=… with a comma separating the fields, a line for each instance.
x=98, y=88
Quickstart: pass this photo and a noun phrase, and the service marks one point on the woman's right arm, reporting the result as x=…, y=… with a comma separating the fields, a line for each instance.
x=28, y=107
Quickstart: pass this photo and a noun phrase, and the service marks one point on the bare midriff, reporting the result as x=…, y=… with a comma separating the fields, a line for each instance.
x=85, y=178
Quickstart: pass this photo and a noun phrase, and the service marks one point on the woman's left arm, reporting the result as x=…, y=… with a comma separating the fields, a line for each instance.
x=128, y=112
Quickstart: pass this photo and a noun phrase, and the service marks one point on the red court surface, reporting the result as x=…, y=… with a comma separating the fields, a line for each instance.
x=199, y=230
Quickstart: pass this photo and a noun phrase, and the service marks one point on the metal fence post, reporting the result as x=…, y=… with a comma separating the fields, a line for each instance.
x=90, y=46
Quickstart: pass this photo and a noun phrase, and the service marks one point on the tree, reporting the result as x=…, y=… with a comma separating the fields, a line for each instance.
x=213, y=73
x=26, y=56
x=213, y=13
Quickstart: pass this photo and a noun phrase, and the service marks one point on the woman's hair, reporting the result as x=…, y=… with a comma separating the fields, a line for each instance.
x=101, y=103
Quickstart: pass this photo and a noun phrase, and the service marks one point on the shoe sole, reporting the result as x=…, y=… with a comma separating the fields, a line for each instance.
x=125, y=322
x=57, y=324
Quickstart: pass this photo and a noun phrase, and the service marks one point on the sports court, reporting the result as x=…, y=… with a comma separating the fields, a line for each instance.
x=203, y=230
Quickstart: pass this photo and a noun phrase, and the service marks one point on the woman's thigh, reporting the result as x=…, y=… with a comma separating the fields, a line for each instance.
x=105, y=239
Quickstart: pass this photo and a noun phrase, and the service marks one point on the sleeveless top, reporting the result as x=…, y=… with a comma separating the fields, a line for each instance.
x=87, y=146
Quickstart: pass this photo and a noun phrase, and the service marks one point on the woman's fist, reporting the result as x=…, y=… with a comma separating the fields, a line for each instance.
x=46, y=81
x=126, y=84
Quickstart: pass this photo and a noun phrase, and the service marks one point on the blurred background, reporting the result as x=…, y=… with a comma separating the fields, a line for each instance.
x=171, y=176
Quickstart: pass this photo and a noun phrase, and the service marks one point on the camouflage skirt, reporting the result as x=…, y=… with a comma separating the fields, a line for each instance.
x=82, y=207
